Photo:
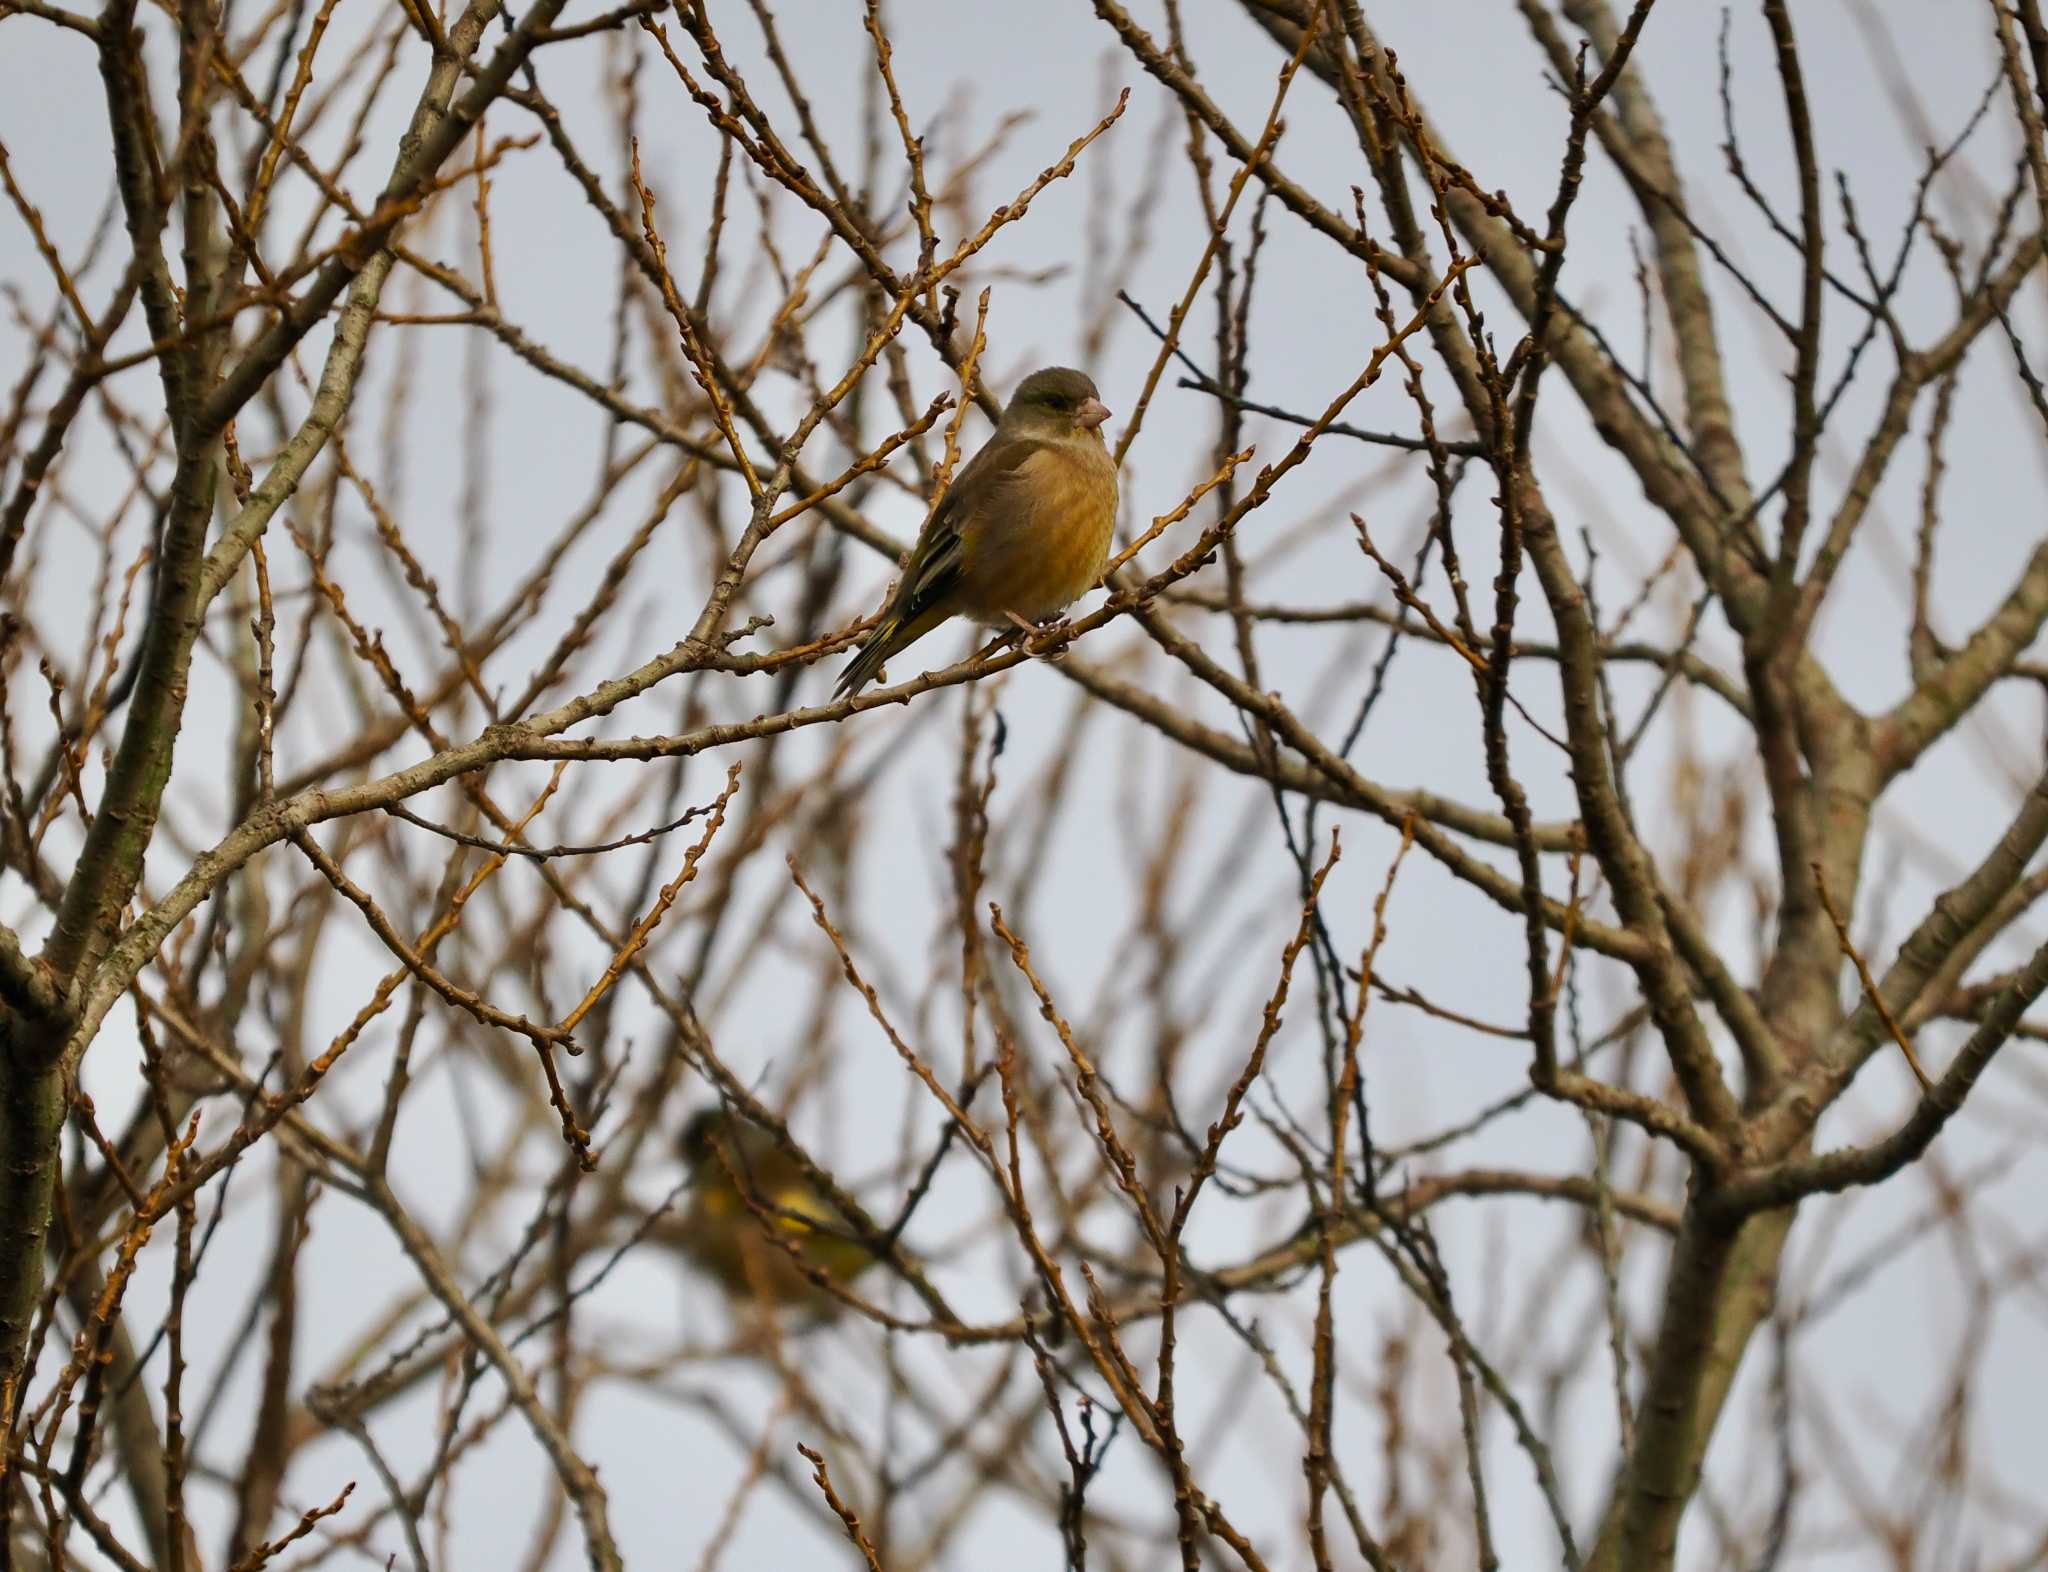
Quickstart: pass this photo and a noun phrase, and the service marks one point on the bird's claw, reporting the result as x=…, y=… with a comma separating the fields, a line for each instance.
x=1035, y=642
x=1031, y=637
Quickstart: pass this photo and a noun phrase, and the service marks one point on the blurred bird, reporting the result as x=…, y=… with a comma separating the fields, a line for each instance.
x=1022, y=533
x=729, y=1237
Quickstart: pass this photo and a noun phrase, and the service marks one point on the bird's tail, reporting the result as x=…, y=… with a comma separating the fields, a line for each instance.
x=862, y=669
x=879, y=645
x=891, y=636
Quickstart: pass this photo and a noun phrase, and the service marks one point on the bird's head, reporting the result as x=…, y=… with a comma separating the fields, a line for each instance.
x=1053, y=403
x=706, y=1126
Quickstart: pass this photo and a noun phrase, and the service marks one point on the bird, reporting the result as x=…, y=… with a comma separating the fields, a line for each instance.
x=743, y=1184
x=1021, y=535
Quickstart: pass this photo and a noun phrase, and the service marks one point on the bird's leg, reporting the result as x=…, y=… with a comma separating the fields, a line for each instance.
x=1016, y=635
x=1029, y=632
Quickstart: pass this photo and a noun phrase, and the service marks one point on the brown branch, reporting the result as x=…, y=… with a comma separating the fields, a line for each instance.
x=1871, y=991
x=1789, y=1181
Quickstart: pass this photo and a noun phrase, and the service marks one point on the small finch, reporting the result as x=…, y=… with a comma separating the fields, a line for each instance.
x=746, y=1193
x=1023, y=532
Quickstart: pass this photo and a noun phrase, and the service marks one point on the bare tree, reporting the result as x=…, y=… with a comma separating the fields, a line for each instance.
x=386, y=882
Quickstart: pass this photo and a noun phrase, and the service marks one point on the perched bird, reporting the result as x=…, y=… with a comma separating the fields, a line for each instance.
x=1023, y=532
x=736, y=1163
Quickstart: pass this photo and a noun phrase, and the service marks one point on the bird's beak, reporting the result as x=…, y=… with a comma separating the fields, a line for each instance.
x=1092, y=413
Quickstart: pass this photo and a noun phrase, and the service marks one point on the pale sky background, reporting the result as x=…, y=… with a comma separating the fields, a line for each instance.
x=1482, y=79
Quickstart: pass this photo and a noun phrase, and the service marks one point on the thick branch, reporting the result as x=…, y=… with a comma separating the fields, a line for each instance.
x=1791, y=1181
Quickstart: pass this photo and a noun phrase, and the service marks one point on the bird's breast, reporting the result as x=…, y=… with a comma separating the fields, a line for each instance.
x=1045, y=546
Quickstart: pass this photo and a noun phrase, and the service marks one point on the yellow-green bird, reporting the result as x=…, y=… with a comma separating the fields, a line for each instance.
x=735, y=1163
x=1022, y=533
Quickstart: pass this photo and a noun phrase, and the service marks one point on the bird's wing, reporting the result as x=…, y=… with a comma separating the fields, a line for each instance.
x=776, y=1184
x=935, y=564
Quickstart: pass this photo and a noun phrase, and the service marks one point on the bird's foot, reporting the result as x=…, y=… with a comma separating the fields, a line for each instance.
x=1033, y=637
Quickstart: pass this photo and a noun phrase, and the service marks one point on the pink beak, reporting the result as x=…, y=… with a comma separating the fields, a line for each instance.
x=1092, y=413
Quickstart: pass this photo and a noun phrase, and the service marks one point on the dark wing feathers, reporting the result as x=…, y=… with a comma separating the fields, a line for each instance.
x=935, y=564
